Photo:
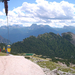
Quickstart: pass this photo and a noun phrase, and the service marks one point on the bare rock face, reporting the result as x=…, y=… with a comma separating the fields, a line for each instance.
x=18, y=65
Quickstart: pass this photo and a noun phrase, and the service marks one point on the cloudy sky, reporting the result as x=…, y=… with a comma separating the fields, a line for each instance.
x=55, y=13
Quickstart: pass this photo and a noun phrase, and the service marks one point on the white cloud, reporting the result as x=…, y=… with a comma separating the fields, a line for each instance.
x=54, y=10
x=1, y=13
x=43, y=12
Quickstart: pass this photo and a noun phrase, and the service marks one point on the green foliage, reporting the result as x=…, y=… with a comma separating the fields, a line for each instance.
x=47, y=44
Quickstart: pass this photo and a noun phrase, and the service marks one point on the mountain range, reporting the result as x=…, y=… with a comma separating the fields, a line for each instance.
x=18, y=32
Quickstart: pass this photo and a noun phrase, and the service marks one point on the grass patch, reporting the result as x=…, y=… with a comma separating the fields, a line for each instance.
x=48, y=64
x=65, y=69
x=52, y=65
x=2, y=54
x=73, y=68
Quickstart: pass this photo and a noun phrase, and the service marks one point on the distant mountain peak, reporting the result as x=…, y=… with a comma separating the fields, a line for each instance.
x=33, y=25
x=68, y=27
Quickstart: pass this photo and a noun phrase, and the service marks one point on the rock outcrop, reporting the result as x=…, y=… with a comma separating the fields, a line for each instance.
x=18, y=65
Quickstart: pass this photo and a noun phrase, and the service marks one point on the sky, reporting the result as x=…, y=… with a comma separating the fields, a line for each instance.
x=55, y=13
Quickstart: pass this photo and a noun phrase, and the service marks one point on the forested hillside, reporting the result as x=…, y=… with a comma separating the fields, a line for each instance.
x=47, y=44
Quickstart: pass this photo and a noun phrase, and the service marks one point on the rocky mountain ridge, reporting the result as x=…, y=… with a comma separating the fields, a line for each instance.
x=72, y=36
